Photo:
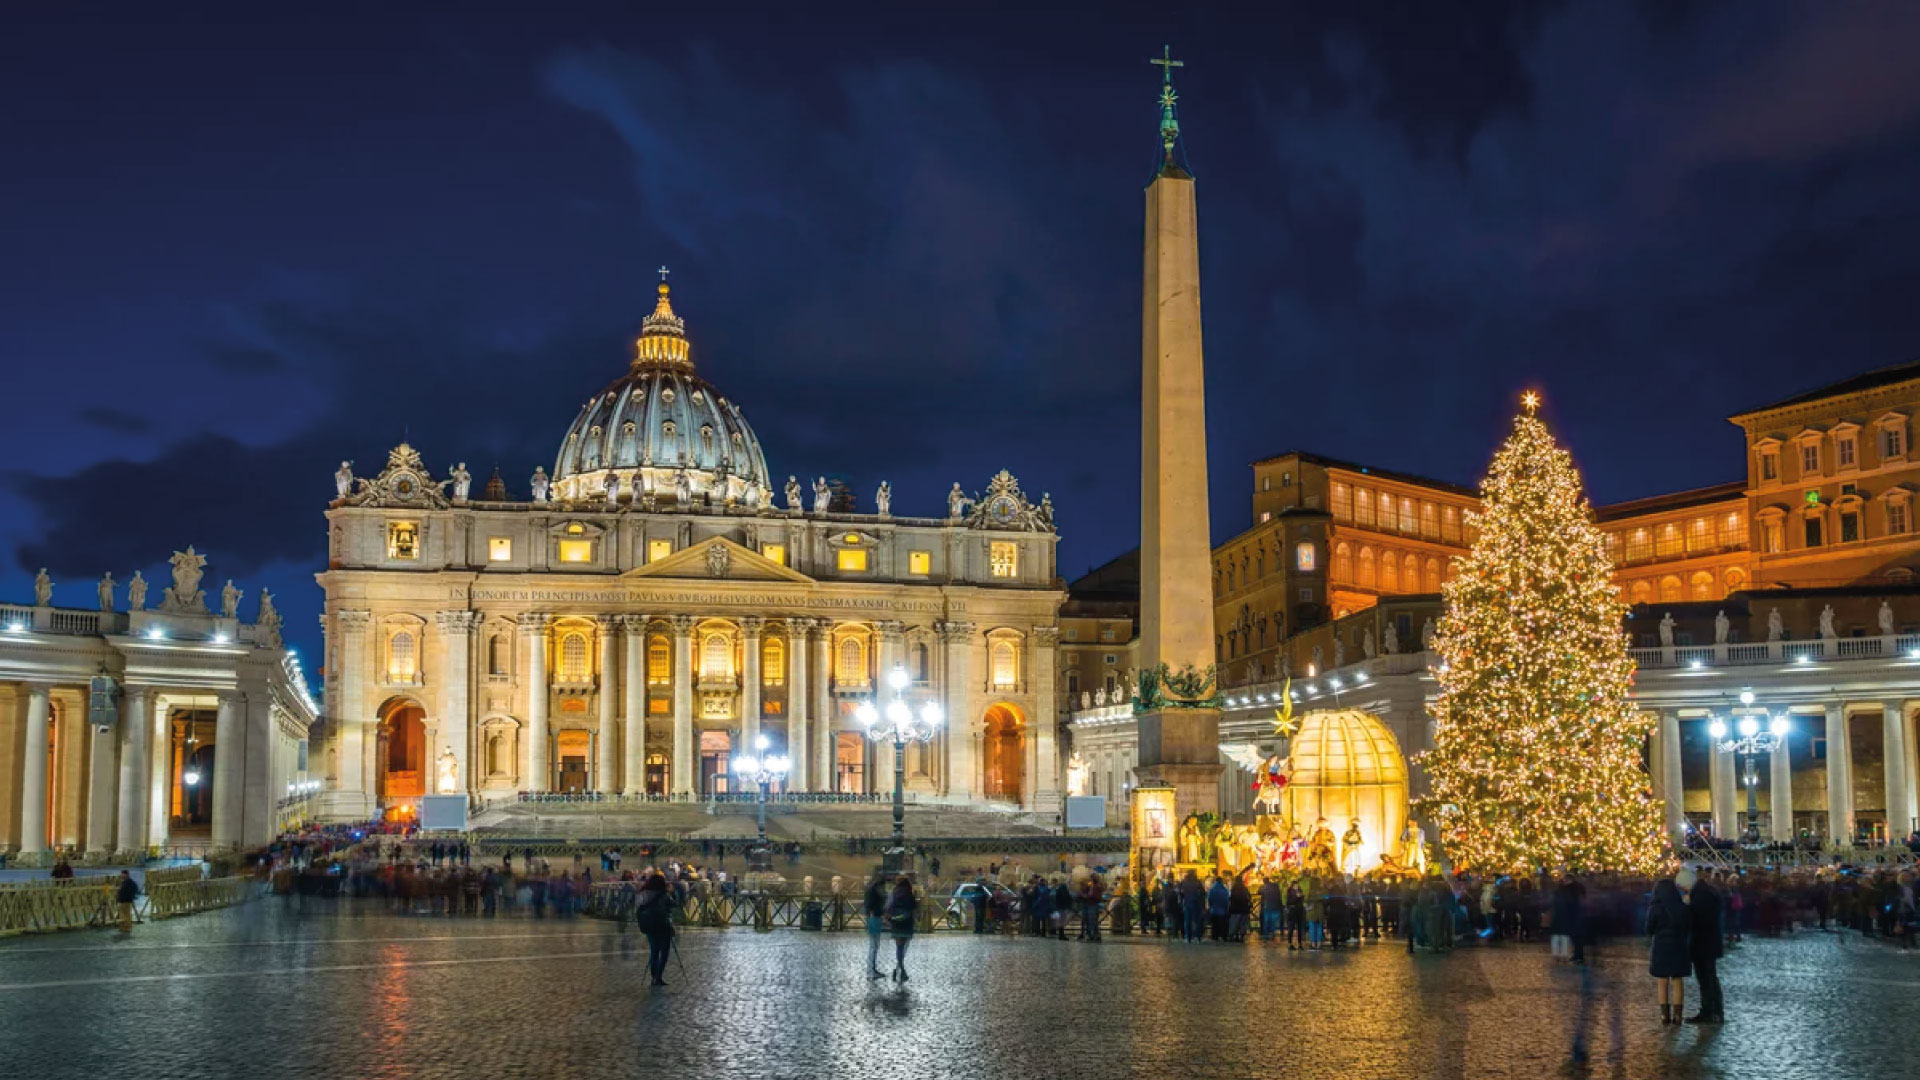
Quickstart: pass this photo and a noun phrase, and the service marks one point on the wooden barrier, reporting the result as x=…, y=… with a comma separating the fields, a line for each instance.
x=191, y=897
x=28, y=907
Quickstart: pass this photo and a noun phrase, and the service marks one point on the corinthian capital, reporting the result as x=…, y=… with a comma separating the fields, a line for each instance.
x=458, y=622
x=353, y=622
x=890, y=630
x=751, y=625
x=534, y=622
x=951, y=631
x=635, y=624
x=1046, y=635
x=682, y=624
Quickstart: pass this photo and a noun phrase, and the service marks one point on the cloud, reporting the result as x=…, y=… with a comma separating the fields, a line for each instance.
x=108, y=418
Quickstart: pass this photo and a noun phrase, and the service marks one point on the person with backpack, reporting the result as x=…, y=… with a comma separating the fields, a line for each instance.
x=653, y=915
x=901, y=907
x=874, y=907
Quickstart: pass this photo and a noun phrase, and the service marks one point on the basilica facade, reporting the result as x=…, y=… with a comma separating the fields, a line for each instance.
x=661, y=602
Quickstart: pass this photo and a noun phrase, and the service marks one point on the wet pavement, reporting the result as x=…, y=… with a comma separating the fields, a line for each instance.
x=352, y=990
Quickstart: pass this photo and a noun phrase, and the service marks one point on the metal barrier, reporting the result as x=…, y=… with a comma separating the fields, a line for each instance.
x=35, y=906
x=168, y=875
x=191, y=897
x=770, y=911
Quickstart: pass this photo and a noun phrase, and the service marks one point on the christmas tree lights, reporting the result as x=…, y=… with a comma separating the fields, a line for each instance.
x=1536, y=761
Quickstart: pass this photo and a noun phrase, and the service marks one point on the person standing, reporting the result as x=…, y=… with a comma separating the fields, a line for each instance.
x=875, y=908
x=980, y=898
x=1090, y=908
x=124, y=892
x=1564, y=919
x=899, y=910
x=1219, y=899
x=1296, y=916
x=1669, y=926
x=1706, y=948
x=653, y=914
x=1239, y=909
x=1193, y=906
x=1271, y=908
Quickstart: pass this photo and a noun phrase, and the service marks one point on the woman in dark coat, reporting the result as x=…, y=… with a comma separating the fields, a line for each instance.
x=901, y=907
x=1669, y=925
x=653, y=913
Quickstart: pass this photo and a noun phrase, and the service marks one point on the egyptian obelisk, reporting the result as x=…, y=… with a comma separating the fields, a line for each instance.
x=1179, y=723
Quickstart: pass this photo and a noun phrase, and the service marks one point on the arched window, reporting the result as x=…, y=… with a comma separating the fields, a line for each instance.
x=497, y=655
x=920, y=666
x=1367, y=578
x=1005, y=664
x=716, y=657
x=1700, y=586
x=773, y=663
x=402, y=662
x=850, y=663
x=659, y=662
x=1670, y=590
x=1736, y=579
x=1410, y=574
x=1643, y=592
x=573, y=658
x=1343, y=562
x=1389, y=572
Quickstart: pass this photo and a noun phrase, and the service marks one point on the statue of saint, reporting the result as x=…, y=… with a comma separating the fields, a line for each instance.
x=1076, y=774
x=42, y=589
x=822, y=495
x=1100, y=697
x=229, y=600
x=1826, y=622
x=613, y=490
x=539, y=483
x=186, y=594
x=343, y=480
x=449, y=773
x=267, y=623
x=793, y=495
x=1886, y=619
x=957, y=502
x=883, y=499
x=1666, y=630
x=1321, y=858
x=136, y=592
x=1413, y=849
x=1350, y=848
x=1426, y=635
x=1192, y=845
x=1390, y=644
x=1775, y=628
x=1366, y=644
x=106, y=592
x=1318, y=667
x=1086, y=700
x=1044, y=515
x=1339, y=652
x=1226, y=847
x=462, y=482
x=1722, y=628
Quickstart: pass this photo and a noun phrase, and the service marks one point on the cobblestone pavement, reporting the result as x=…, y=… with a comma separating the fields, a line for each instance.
x=264, y=991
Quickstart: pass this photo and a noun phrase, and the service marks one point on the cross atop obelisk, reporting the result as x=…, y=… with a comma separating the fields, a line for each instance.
x=1178, y=706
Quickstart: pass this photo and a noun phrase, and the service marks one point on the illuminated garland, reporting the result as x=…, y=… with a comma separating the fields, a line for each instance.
x=1536, y=761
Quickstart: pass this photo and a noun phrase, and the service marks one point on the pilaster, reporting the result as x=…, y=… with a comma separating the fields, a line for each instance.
x=963, y=717
x=1893, y=727
x=533, y=627
x=607, y=753
x=799, y=744
x=1044, y=647
x=634, y=683
x=1780, y=793
x=683, y=738
x=229, y=775
x=102, y=778
x=456, y=710
x=751, y=627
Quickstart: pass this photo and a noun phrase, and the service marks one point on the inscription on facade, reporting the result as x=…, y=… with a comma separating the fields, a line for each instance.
x=620, y=596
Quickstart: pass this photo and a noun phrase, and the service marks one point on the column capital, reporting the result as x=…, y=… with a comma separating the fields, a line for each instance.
x=608, y=623
x=682, y=624
x=752, y=625
x=635, y=624
x=802, y=626
x=1046, y=635
x=534, y=622
x=955, y=631
x=891, y=631
x=230, y=697
x=458, y=622
x=353, y=622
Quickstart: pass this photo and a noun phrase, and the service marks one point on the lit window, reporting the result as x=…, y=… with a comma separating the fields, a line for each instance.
x=1389, y=572
x=1639, y=545
x=658, y=549
x=1429, y=520
x=1699, y=535
x=851, y=559
x=500, y=548
x=1003, y=557
x=1342, y=502
x=1700, y=586
x=1769, y=465
x=1669, y=542
x=1733, y=530
x=1303, y=557
x=1406, y=515
x=576, y=551
x=773, y=663
x=716, y=657
x=1362, y=506
x=1343, y=562
x=775, y=552
x=1005, y=664
x=403, y=539
x=919, y=562
x=659, y=662
x=401, y=658
x=1450, y=525
x=850, y=662
x=573, y=658
x=1367, y=576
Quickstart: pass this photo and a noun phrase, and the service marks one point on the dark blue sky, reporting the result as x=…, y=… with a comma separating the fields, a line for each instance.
x=243, y=244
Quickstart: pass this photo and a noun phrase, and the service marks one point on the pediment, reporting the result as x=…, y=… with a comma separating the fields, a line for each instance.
x=719, y=559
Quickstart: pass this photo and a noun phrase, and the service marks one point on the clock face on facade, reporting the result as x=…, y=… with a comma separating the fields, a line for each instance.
x=1001, y=510
x=403, y=486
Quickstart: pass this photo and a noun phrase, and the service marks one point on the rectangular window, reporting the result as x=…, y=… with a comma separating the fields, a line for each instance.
x=1733, y=530
x=775, y=553
x=1106, y=633
x=1406, y=515
x=920, y=562
x=658, y=549
x=1810, y=459
x=1893, y=442
x=1849, y=528
x=1342, y=503
x=499, y=549
x=403, y=539
x=1306, y=595
x=1896, y=518
x=1429, y=521
x=1669, y=542
x=1769, y=465
x=1772, y=537
x=1362, y=507
x=1450, y=525
x=851, y=559
x=576, y=551
x=1303, y=556
x=1003, y=558
x=1813, y=532
x=1639, y=545
x=1843, y=453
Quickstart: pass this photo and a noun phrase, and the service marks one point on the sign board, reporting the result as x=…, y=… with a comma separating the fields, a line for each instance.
x=101, y=712
x=443, y=812
x=1086, y=811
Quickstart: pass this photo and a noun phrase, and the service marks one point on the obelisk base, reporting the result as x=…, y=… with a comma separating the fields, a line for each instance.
x=1196, y=787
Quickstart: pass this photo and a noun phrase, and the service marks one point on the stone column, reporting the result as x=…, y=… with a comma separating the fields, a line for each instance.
x=1893, y=727
x=533, y=626
x=824, y=778
x=890, y=637
x=634, y=682
x=356, y=728
x=683, y=737
x=1722, y=774
x=1780, y=793
x=136, y=739
x=963, y=721
x=799, y=746
x=102, y=780
x=750, y=628
x=608, y=752
x=1839, y=777
x=1673, y=788
x=456, y=720
x=33, y=771
x=1046, y=704
x=257, y=791
x=229, y=770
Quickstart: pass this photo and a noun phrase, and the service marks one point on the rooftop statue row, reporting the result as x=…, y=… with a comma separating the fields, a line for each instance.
x=183, y=597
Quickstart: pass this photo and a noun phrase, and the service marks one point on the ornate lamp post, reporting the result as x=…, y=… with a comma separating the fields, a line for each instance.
x=762, y=770
x=1750, y=744
x=898, y=723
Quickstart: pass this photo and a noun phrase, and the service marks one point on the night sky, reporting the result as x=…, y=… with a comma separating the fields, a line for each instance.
x=243, y=245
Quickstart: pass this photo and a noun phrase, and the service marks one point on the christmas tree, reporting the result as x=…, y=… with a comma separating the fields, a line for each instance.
x=1536, y=758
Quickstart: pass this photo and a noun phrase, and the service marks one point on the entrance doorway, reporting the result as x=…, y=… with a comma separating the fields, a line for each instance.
x=570, y=751
x=403, y=751
x=656, y=774
x=715, y=748
x=850, y=762
x=1004, y=758
x=196, y=798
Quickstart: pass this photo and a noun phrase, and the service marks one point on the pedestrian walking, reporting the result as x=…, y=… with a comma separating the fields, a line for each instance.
x=124, y=893
x=1669, y=927
x=900, y=908
x=1239, y=909
x=1705, y=948
x=1271, y=908
x=1564, y=919
x=653, y=915
x=1296, y=917
x=874, y=907
x=1090, y=908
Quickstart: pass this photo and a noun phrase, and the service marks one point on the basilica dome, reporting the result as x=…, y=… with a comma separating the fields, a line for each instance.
x=662, y=431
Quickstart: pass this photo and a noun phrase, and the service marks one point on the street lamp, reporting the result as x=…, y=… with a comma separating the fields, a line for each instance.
x=763, y=770
x=1750, y=743
x=897, y=722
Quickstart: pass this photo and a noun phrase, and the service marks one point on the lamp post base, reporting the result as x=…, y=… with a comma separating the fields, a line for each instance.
x=760, y=857
x=897, y=860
